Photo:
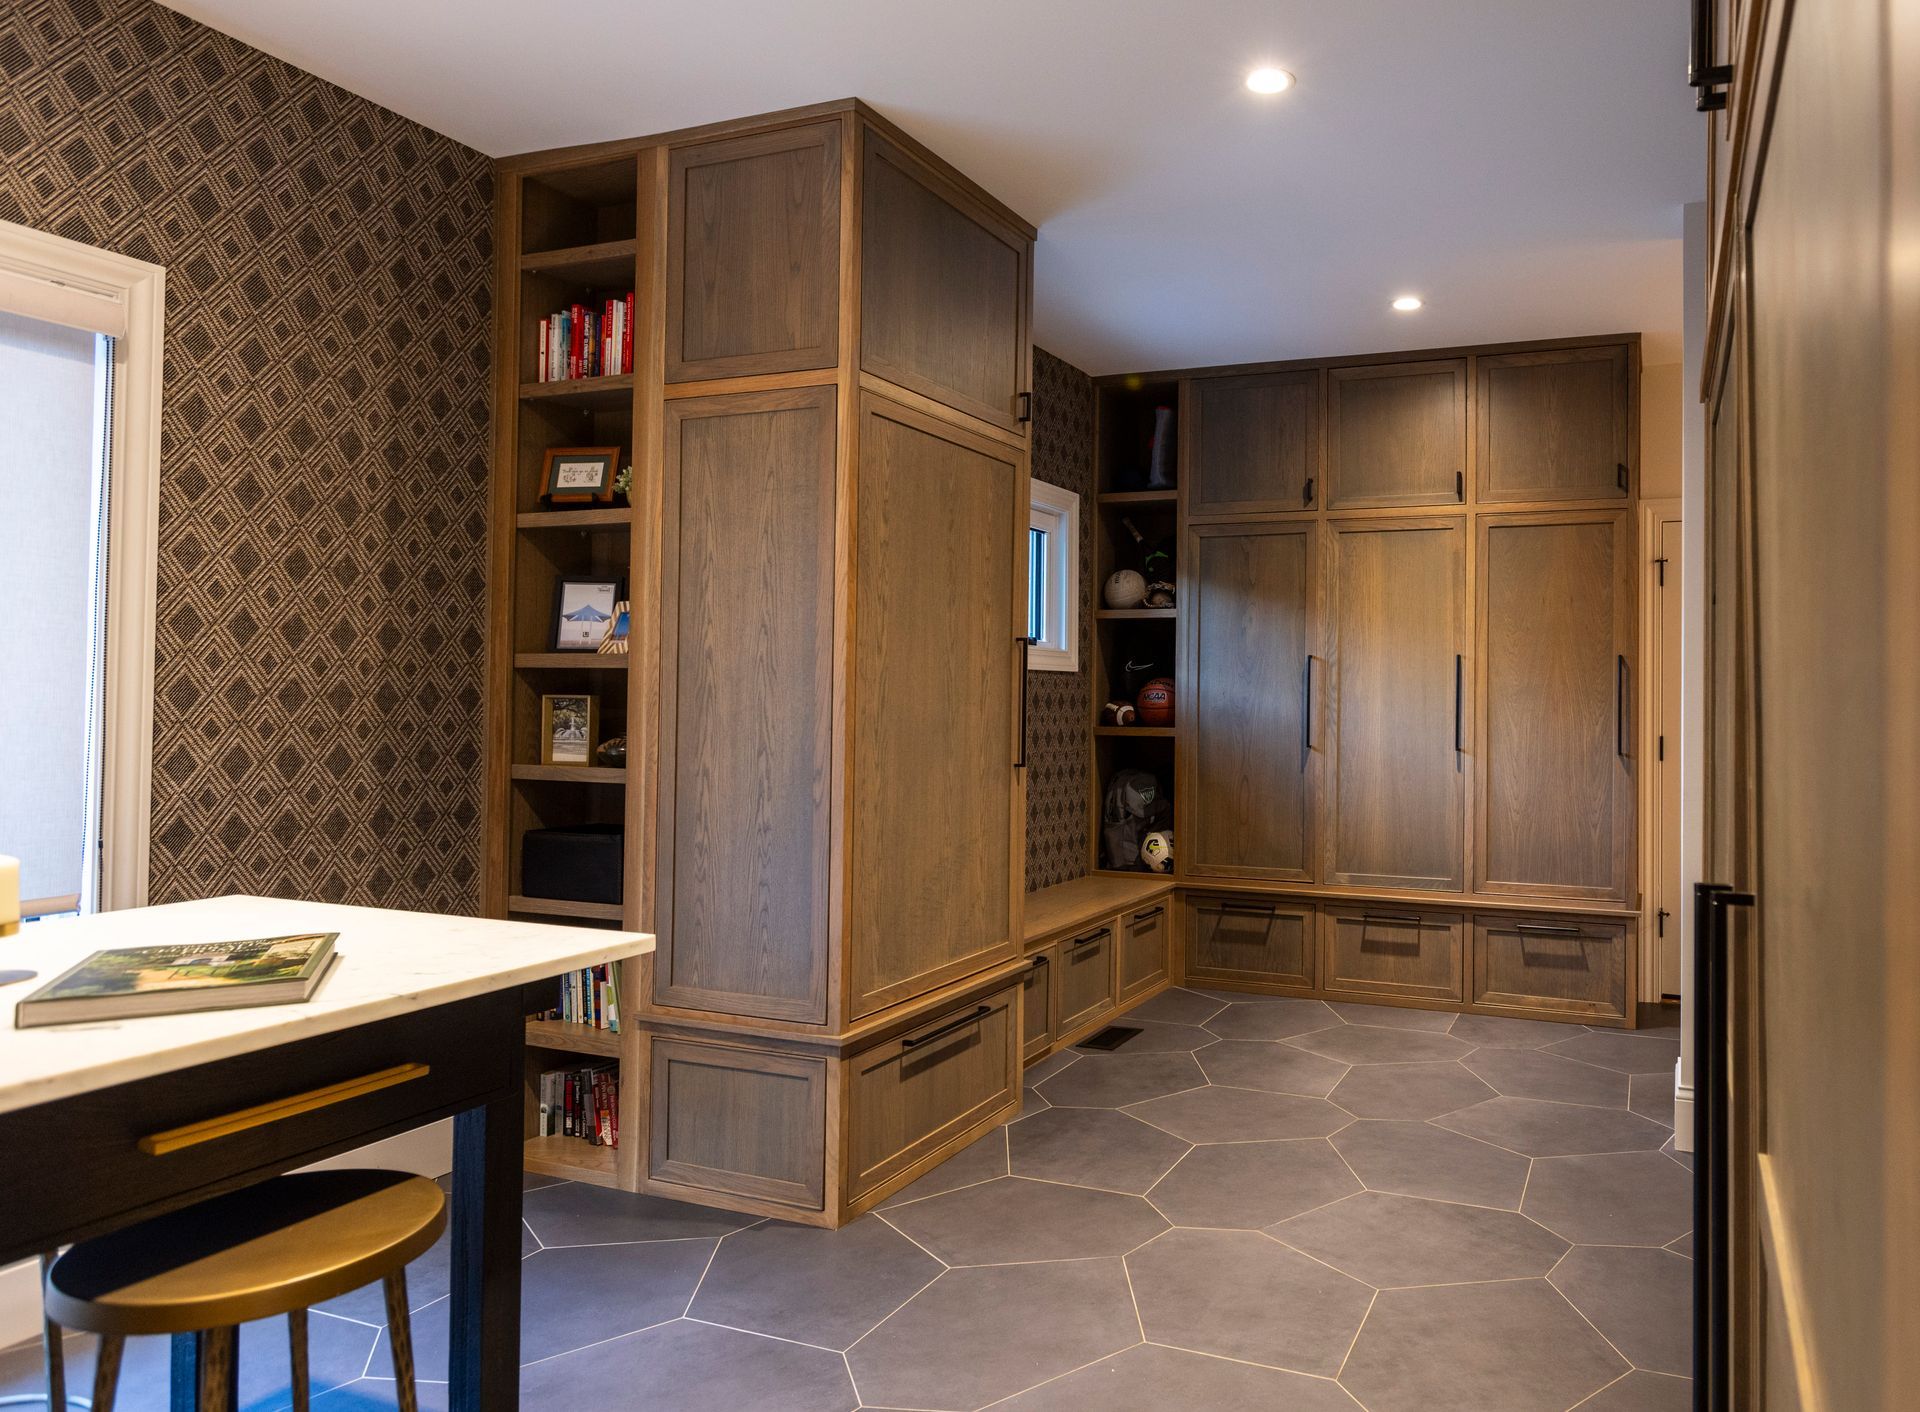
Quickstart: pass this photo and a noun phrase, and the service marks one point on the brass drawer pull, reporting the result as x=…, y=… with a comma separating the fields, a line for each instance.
x=193, y=1134
x=979, y=1013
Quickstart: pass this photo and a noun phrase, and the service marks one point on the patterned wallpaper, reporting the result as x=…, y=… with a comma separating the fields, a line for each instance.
x=1058, y=729
x=323, y=448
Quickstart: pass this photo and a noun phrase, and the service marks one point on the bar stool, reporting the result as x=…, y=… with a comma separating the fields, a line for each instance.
x=275, y=1248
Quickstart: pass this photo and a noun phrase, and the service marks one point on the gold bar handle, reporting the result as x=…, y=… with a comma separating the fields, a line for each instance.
x=193, y=1134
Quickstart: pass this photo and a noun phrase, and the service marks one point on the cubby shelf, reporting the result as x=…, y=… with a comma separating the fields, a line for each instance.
x=609, y=262
x=572, y=1158
x=615, y=391
x=1135, y=730
x=560, y=907
x=572, y=774
x=571, y=661
x=1136, y=614
x=599, y=517
x=1140, y=497
x=573, y=1037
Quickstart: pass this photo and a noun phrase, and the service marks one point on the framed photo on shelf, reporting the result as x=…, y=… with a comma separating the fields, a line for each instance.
x=583, y=613
x=579, y=475
x=615, y=642
x=569, y=726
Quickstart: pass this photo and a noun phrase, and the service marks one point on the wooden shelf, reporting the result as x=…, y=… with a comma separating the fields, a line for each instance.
x=573, y=1037
x=571, y=661
x=599, y=517
x=1136, y=614
x=1135, y=730
x=559, y=907
x=616, y=391
x=572, y=774
x=1139, y=497
x=610, y=262
x=573, y=1158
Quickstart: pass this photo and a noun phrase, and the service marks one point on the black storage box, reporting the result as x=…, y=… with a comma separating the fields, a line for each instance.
x=580, y=864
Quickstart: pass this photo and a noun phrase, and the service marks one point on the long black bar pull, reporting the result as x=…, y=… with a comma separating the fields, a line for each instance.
x=1459, y=738
x=1026, y=650
x=1703, y=75
x=1620, y=706
x=1712, y=1178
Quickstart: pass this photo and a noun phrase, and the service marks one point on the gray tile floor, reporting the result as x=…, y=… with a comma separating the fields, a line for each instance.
x=1255, y=1203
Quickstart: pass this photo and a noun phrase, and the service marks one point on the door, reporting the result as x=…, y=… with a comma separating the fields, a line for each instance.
x=1397, y=434
x=1254, y=939
x=1396, y=705
x=1254, y=443
x=936, y=802
x=1554, y=806
x=1246, y=784
x=1661, y=579
x=1556, y=425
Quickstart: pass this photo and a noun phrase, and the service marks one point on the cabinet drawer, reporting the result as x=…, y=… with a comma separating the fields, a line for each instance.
x=907, y=1096
x=1252, y=939
x=1142, y=961
x=1039, y=1004
x=1085, y=982
x=741, y=1121
x=1366, y=953
x=1571, y=968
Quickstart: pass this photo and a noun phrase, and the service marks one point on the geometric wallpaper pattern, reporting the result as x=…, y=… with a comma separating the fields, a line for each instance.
x=317, y=713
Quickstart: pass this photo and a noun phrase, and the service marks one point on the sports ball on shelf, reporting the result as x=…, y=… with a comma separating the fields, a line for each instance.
x=1117, y=713
x=1125, y=589
x=1155, y=702
x=1156, y=850
x=1159, y=594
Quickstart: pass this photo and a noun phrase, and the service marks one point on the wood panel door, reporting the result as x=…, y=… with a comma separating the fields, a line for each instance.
x=1253, y=939
x=1143, y=956
x=1248, y=677
x=1396, y=655
x=945, y=287
x=935, y=803
x=1368, y=952
x=753, y=254
x=1252, y=444
x=1583, y=968
x=1086, y=978
x=1397, y=434
x=1554, y=799
x=746, y=724
x=1556, y=425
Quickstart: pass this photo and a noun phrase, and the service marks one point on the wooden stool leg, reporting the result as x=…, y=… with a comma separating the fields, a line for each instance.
x=56, y=1357
x=400, y=1335
x=219, y=1354
x=297, y=1356
x=106, y=1373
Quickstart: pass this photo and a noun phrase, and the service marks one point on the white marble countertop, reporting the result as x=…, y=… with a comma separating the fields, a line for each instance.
x=390, y=963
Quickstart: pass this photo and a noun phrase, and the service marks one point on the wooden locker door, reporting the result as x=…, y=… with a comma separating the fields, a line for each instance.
x=1396, y=679
x=1556, y=425
x=1554, y=798
x=936, y=806
x=1252, y=444
x=1397, y=434
x=1246, y=724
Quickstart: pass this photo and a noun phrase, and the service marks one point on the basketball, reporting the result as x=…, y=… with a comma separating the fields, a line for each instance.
x=1155, y=702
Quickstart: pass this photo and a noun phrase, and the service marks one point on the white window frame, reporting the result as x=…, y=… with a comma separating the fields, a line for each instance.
x=62, y=281
x=1057, y=512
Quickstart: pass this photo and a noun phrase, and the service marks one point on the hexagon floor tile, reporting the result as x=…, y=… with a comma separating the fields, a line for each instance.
x=1540, y=1073
x=1419, y=1159
x=809, y=1285
x=1016, y=1219
x=1267, y=1064
x=1148, y=1378
x=1642, y=1392
x=1625, y=1051
x=980, y=1161
x=1115, y=1080
x=1179, y=1007
x=1214, y=1114
x=1624, y=1198
x=1541, y=1129
x=1499, y=1032
x=1247, y=1185
x=1408, y=1090
x=574, y=1213
x=1379, y=1044
x=1153, y=1037
x=1093, y=1147
x=1394, y=1017
x=691, y=1367
x=1641, y=1300
x=1395, y=1241
x=1275, y=1018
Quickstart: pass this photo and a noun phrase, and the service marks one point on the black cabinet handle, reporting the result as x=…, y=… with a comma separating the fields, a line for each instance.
x=1149, y=914
x=1039, y=961
x=980, y=1013
x=1620, y=684
x=1458, y=738
x=1403, y=917
x=1026, y=407
x=1460, y=486
x=1703, y=75
x=1542, y=929
x=1309, y=711
x=1306, y=493
x=1088, y=939
x=1026, y=654
x=1252, y=909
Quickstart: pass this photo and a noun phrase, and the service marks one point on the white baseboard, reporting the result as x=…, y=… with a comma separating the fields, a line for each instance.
x=427, y=1151
x=1682, y=1112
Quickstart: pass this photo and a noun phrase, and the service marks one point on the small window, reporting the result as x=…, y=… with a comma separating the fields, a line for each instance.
x=1053, y=573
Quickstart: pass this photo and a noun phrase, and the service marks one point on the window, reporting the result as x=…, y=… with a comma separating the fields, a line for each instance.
x=1053, y=577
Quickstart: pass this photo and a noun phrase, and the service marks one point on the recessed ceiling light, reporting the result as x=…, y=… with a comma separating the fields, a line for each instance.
x=1269, y=80
x=1407, y=303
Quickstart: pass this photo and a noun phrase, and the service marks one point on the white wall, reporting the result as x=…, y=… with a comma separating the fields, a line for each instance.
x=1693, y=646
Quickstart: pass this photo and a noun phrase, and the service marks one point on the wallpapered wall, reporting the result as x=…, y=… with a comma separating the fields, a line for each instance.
x=1058, y=733
x=323, y=445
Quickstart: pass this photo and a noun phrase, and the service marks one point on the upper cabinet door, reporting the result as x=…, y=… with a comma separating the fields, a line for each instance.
x=1397, y=434
x=753, y=255
x=1254, y=443
x=1555, y=732
x=944, y=289
x=1555, y=425
x=1245, y=702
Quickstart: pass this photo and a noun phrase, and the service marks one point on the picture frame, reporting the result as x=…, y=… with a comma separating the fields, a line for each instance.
x=569, y=728
x=583, y=612
x=615, y=642
x=579, y=475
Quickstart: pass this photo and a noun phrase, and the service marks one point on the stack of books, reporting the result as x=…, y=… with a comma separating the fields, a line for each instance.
x=590, y=997
x=582, y=1102
x=587, y=341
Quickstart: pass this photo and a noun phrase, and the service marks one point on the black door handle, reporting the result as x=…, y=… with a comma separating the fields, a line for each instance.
x=1457, y=727
x=1712, y=1284
x=1306, y=493
x=1026, y=652
x=1703, y=75
x=1309, y=710
x=1620, y=680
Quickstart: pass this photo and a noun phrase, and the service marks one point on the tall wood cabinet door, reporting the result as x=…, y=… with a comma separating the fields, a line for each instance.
x=1397, y=434
x=1556, y=425
x=1555, y=796
x=1396, y=764
x=746, y=651
x=945, y=289
x=753, y=254
x=1245, y=702
x=936, y=807
x=1252, y=443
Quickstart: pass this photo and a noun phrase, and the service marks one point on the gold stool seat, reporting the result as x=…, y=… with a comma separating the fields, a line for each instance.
x=275, y=1248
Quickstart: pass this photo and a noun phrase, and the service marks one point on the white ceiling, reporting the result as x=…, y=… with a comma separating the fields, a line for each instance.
x=1520, y=164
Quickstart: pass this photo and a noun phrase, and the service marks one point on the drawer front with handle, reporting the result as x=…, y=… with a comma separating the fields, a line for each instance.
x=1254, y=939
x=1369, y=951
x=1086, y=978
x=1039, y=1004
x=1143, y=960
x=1579, y=968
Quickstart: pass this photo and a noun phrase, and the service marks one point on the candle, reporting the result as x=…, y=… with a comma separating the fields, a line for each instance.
x=9, y=895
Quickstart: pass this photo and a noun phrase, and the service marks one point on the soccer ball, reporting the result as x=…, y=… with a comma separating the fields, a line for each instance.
x=1156, y=850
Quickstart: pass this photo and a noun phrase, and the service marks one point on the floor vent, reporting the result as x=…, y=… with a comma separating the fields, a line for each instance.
x=1112, y=1037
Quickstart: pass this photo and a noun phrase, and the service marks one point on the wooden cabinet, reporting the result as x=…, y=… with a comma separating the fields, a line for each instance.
x=1556, y=425
x=1396, y=793
x=1039, y=1005
x=1583, y=967
x=1246, y=776
x=753, y=254
x=1397, y=434
x=1555, y=781
x=937, y=871
x=1142, y=960
x=945, y=284
x=744, y=828
x=1085, y=979
x=1252, y=444
x=1369, y=953
x=1261, y=940
x=737, y=1121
